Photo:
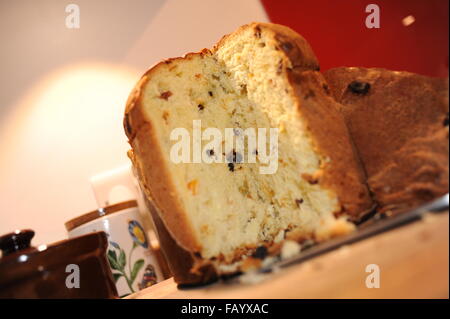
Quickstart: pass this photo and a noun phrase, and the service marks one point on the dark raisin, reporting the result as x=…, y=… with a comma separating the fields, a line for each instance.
x=358, y=87
x=258, y=32
x=210, y=152
x=309, y=94
x=286, y=46
x=165, y=95
x=299, y=202
x=445, y=123
x=280, y=67
x=230, y=157
x=127, y=125
x=231, y=167
x=210, y=93
x=234, y=157
x=260, y=252
x=326, y=88
x=310, y=179
x=200, y=107
x=255, y=152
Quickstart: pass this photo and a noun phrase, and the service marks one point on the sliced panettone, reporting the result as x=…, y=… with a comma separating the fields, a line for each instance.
x=399, y=124
x=216, y=211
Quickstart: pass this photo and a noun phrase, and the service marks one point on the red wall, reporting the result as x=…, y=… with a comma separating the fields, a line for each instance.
x=337, y=32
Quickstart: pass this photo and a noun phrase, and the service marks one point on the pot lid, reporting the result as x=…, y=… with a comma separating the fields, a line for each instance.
x=85, y=218
x=20, y=259
x=18, y=240
x=42, y=271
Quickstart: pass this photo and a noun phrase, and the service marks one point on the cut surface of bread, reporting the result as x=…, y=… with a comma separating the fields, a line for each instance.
x=261, y=76
x=399, y=124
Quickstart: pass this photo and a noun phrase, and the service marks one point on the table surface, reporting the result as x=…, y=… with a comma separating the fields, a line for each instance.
x=413, y=262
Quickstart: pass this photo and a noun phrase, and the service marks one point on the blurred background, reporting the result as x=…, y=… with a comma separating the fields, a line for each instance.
x=63, y=90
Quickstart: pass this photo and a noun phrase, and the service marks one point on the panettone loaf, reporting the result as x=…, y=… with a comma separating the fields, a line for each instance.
x=399, y=124
x=212, y=217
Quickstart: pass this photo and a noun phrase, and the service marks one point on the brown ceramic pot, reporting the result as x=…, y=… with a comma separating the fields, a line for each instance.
x=74, y=268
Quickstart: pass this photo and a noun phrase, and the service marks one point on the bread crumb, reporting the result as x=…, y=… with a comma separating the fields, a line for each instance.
x=290, y=249
x=331, y=227
x=229, y=268
x=269, y=261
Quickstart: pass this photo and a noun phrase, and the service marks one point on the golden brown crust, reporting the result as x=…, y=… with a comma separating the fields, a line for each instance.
x=291, y=43
x=296, y=48
x=144, y=142
x=343, y=173
x=398, y=126
x=181, y=262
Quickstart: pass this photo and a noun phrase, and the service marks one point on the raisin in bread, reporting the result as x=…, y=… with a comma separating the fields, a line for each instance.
x=399, y=124
x=212, y=217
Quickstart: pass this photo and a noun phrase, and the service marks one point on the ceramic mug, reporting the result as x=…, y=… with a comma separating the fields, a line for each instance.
x=133, y=263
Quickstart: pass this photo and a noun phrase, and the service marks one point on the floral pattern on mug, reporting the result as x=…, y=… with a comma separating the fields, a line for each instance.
x=118, y=261
x=137, y=233
x=149, y=277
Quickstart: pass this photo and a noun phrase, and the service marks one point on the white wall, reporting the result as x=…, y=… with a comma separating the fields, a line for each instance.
x=63, y=93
